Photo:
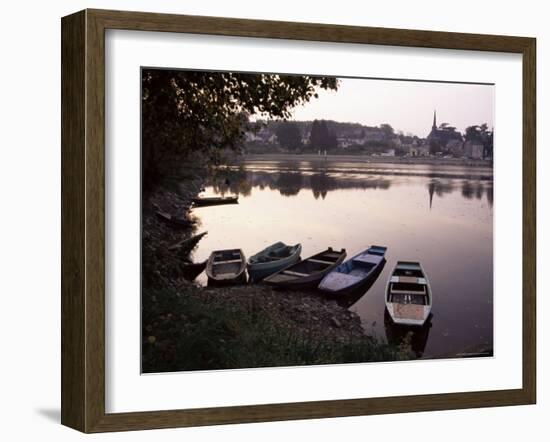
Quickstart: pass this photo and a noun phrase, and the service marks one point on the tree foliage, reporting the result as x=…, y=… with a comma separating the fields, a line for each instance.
x=192, y=111
x=321, y=137
x=289, y=135
x=435, y=147
x=483, y=135
x=388, y=130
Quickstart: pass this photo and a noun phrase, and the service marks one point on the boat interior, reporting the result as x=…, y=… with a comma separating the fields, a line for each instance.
x=360, y=265
x=408, y=285
x=275, y=254
x=315, y=264
x=227, y=262
x=411, y=269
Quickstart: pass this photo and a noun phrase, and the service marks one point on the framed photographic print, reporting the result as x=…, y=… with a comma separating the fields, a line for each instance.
x=268, y=220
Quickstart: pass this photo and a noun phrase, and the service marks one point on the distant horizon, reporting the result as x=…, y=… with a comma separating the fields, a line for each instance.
x=406, y=105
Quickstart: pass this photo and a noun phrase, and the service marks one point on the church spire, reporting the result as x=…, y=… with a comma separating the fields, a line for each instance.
x=434, y=125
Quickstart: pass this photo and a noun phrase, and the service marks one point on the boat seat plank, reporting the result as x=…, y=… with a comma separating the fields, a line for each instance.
x=409, y=279
x=412, y=279
x=291, y=272
x=409, y=291
x=408, y=266
x=320, y=261
x=229, y=261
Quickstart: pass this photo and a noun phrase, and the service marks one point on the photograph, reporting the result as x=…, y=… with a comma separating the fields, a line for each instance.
x=302, y=220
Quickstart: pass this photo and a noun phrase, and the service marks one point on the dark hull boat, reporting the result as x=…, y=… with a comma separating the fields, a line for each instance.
x=191, y=270
x=307, y=273
x=226, y=267
x=173, y=221
x=214, y=200
x=355, y=273
x=272, y=259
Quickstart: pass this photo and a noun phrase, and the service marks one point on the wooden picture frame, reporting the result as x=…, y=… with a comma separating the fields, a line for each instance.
x=83, y=220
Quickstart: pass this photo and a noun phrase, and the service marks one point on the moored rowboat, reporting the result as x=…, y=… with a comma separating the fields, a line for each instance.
x=225, y=267
x=214, y=200
x=308, y=272
x=408, y=294
x=172, y=220
x=272, y=259
x=355, y=273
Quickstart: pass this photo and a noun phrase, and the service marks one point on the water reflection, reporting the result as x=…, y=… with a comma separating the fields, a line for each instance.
x=241, y=182
x=416, y=337
x=469, y=189
x=290, y=183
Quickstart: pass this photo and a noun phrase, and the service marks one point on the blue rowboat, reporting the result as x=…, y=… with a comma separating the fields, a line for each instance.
x=354, y=273
x=272, y=259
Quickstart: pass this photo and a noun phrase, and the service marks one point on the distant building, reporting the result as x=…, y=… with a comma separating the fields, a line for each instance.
x=473, y=149
x=396, y=141
x=372, y=134
x=263, y=136
x=421, y=150
x=443, y=134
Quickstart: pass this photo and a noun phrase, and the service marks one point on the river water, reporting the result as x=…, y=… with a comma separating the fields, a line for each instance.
x=439, y=215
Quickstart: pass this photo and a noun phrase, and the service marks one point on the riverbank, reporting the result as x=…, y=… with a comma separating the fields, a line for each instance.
x=365, y=159
x=187, y=327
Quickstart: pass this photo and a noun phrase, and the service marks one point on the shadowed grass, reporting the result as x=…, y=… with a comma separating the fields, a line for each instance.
x=188, y=332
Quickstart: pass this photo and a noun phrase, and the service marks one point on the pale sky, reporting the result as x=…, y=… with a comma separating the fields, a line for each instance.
x=405, y=105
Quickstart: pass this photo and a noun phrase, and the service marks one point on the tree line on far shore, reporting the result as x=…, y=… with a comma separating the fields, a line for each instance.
x=330, y=136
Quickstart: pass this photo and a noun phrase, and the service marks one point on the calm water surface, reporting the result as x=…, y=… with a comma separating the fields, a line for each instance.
x=439, y=215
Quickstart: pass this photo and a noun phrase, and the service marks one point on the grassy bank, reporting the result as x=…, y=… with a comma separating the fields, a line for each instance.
x=201, y=329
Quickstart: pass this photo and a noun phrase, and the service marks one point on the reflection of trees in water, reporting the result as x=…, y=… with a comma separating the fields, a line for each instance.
x=479, y=190
x=417, y=337
x=289, y=183
x=468, y=189
x=439, y=188
x=489, y=193
x=319, y=185
x=230, y=181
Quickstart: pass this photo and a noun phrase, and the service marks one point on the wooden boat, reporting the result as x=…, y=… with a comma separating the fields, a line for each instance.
x=172, y=220
x=225, y=267
x=193, y=269
x=214, y=200
x=408, y=294
x=184, y=246
x=272, y=259
x=307, y=273
x=355, y=273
